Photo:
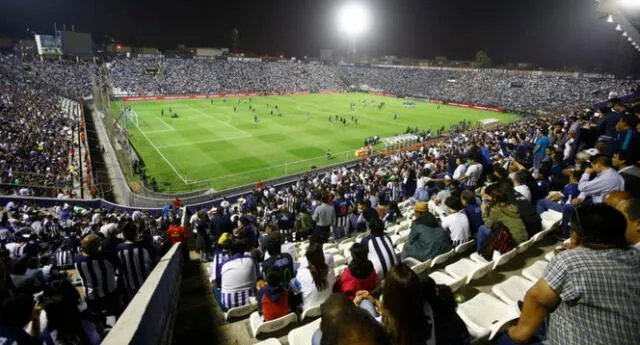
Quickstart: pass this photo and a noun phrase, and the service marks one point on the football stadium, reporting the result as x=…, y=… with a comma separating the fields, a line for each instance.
x=225, y=142
x=320, y=172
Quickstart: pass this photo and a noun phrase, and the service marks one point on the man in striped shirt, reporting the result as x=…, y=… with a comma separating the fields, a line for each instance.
x=98, y=277
x=381, y=252
x=135, y=261
x=237, y=280
x=342, y=208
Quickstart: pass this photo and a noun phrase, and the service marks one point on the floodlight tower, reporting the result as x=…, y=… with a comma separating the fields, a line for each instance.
x=353, y=21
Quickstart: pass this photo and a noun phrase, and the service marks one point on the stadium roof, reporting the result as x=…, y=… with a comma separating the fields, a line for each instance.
x=624, y=13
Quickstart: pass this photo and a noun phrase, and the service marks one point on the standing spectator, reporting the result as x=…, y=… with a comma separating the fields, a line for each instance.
x=426, y=238
x=629, y=170
x=136, y=262
x=203, y=242
x=473, y=173
x=324, y=216
x=98, y=277
x=607, y=125
x=281, y=262
x=472, y=210
x=540, y=150
x=590, y=293
x=177, y=234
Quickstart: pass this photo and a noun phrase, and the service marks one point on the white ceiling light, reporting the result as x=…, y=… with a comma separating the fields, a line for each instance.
x=610, y=19
x=624, y=34
x=618, y=28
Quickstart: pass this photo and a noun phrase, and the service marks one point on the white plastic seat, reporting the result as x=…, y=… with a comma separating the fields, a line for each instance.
x=328, y=246
x=535, y=271
x=399, y=239
x=310, y=312
x=400, y=246
x=404, y=232
x=346, y=244
x=360, y=237
x=498, y=260
x=259, y=326
x=302, y=335
x=445, y=279
x=485, y=315
x=551, y=215
x=549, y=224
x=463, y=247
x=332, y=251
x=468, y=269
x=443, y=257
x=339, y=260
x=339, y=269
x=550, y=255
x=540, y=235
x=270, y=341
x=240, y=311
x=512, y=290
x=417, y=266
x=524, y=246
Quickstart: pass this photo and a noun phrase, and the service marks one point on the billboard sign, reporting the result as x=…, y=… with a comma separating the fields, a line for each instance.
x=48, y=45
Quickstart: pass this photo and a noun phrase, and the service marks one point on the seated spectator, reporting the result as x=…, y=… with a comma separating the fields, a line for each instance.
x=472, y=210
x=556, y=200
x=98, y=277
x=314, y=282
x=21, y=282
x=582, y=289
x=333, y=306
x=218, y=258
x=66, y=323
x=627, y=138
x=135, y=261
x=519, y=185
x=237, y=280
x=450, y=329
x=495, y=208
x=359, y=275
x=407, y=318
x=630, y=208
x=273, y=299
x=426, y=238
x=456, y=222
x=354, y=327
x=15, y=313
x=282, y=262
x=627, y=168
x=380, y=249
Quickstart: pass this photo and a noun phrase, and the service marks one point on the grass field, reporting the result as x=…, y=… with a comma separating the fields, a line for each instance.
x=212, y=146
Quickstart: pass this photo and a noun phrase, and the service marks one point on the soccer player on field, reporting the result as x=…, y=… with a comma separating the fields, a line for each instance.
x=162, y=112
x=329, y=155
x=255, y=118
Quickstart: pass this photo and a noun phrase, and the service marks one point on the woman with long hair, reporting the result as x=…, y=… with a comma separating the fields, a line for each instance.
x=314, y=282
x=66, y=324
x=407, y=317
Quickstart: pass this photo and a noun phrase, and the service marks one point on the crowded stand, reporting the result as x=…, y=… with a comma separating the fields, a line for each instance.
x=83, y=266
x=39, y=142
x=378, y=249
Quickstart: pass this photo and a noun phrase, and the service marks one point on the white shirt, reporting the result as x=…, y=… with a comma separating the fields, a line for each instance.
x=422, y=181
x=524, y=190
x=335, y=179
x=567, y=148
x=459, y=172
x=238, y=277
x=473, y=173
x=288, y=248
x=458, y=226
x=311, y=297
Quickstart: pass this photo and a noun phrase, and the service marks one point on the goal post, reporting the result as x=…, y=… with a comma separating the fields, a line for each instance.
x=131, y=116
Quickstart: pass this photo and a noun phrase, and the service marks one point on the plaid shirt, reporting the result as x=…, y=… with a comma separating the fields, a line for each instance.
x=600, y=291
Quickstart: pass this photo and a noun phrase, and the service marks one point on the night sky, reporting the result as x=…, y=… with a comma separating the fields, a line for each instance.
x=549, y=33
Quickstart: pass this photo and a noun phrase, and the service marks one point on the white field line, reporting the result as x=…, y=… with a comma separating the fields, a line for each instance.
x=160, y=131
x=166, y=124
x=163, y=156
x=222, y=122
x=204, y=141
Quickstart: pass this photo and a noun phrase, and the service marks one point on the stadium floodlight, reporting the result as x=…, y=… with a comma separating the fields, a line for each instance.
x=629, y=3
x=624, y=34
x=618, y=28
x=610, y=19
x=353, y=19
x=629, y=39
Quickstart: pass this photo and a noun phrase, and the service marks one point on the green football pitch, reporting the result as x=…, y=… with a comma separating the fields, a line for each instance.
x=212, y=146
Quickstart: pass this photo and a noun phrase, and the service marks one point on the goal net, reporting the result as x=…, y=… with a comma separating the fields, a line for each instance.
x=131, y=117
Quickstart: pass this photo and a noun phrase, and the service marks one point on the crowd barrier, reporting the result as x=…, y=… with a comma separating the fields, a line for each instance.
x=149, y=317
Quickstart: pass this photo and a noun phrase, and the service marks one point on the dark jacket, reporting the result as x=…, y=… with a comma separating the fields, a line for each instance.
x=427, y=239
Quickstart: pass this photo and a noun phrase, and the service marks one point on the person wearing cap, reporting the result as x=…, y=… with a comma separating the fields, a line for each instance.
x=427, y=239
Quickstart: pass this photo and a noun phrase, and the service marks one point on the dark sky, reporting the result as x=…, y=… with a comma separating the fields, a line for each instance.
x=544, y=32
